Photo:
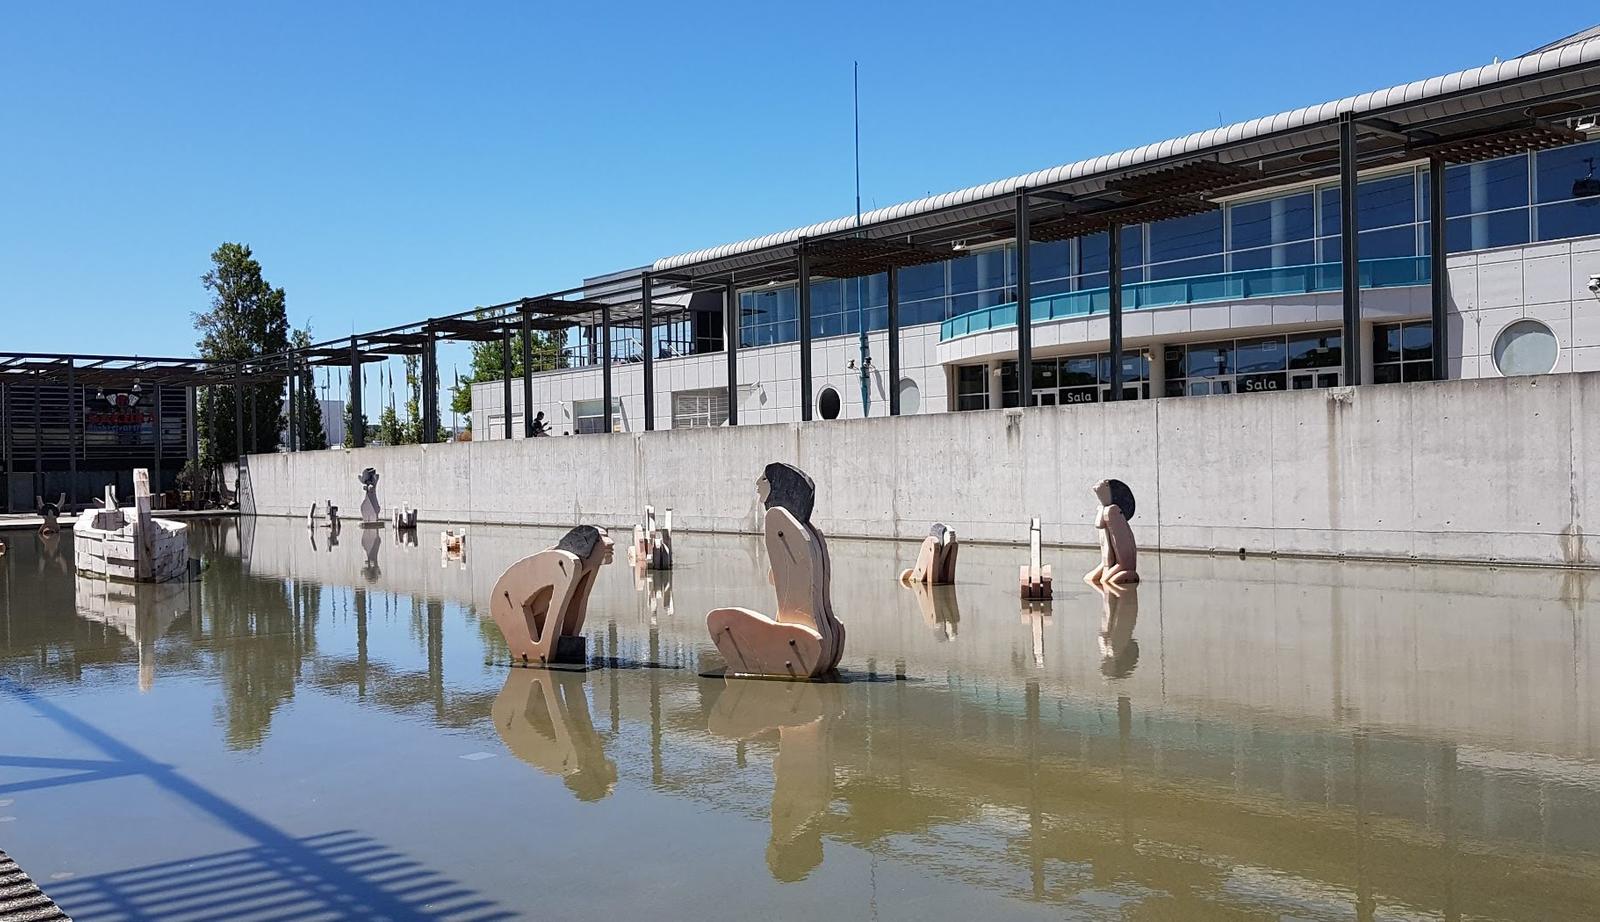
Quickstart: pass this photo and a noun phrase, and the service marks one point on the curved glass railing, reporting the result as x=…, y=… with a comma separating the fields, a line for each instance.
x=1200, y=289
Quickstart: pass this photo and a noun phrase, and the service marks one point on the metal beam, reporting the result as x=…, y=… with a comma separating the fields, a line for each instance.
x=894, y=341
x=72, y=432
x=803, y=293
x=505, y=381
x=730, y=336
x=1024, y=302
x=238, y=413
x=605, y=365
x=1349, y=249
x=647, y=339
x=5, y=442
x=358, y=428
x=527, y=375
x=1439, y=276
x=192, y=430
x=1114, y=280
x=294, y=411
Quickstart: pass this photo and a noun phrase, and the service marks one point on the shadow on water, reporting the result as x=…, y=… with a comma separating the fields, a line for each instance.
x=339, y=874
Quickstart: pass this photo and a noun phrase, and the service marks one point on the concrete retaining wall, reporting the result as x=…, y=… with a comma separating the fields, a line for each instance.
x=1481, y=470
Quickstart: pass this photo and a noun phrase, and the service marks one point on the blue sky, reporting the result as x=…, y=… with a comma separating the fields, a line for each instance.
x=396, y=160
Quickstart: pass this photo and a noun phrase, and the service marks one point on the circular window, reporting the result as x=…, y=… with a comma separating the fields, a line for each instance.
x=1526, y=347
x=910, y=397
x=828, y=403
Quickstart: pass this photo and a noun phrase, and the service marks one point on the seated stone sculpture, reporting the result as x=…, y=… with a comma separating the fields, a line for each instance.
x=936, y=560
x=1034, y=577
x=369, y=498
x=804, y=640
x=1119, y=555
x=652, y=542
x=540, y=602
x=51, y=513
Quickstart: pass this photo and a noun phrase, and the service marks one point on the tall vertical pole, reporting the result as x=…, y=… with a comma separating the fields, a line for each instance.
x=1349, y=249
x=430, y=386
x=730, y=335
x=358, y=424
x=1438, y=272
x=155, y=420
x=1024, y=302
x=294, y=404
x=238, y=412
x=1114, y=273
x=191, y=428
x=605, y=363
x=527, y=374
x=803, y=295
x=73, y=402
x=505, y=379
x=646, y=339
x=894, y=341
x=38, y=443
x=5, y=441
x=253, y=442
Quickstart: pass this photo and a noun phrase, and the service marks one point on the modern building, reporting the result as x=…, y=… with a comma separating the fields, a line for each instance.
x=1227, y=275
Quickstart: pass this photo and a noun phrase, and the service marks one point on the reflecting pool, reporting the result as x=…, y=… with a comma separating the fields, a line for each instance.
x=315, y=729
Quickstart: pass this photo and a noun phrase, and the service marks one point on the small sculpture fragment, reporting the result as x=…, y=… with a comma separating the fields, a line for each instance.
x=1119, y=555
x=51, y=513
x=1035, y=576
x=452, y=546
x=405, y=518
x=936, y=560
x=540, y=602
x=652, y=543
x=805, y=640
x=369, y=498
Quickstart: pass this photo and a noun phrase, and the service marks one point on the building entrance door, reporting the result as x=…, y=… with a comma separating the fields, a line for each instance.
x=1315, y=378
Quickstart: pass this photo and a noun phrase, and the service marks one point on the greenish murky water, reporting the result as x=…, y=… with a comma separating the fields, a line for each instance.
x=312, y=731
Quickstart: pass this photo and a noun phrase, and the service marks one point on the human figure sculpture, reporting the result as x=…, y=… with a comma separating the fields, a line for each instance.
x=540, y=602
x=1119, y=555
x=805, y=640
x=1034, y=577
x=1119, y=652
x=543, y=718
x=936, y=559
x=652, y=542
x=369, y=498
x=405, y=518
x=50, y=513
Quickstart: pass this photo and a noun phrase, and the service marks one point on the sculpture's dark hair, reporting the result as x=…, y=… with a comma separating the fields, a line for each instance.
x=1121, y=497
x=937, y=531
x=580, y=541
x=790, y=489
x=368, y=477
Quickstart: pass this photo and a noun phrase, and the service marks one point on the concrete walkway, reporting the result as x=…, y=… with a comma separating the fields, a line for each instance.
x=21, y=899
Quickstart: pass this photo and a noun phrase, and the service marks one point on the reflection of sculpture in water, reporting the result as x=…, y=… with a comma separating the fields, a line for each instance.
x=805, y=640
x=452, y=546
x=543, y=718
x=540, y=602
x=802, y=788
x=141, y=611
x=1119, y=652
x=50, y=513
x=657, y=588
x=1119, y=555
x=940, y=610
x=936, y=559
x=371, y=543
x=1036, y=615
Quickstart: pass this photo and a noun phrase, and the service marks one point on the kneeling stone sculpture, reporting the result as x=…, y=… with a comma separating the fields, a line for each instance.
x=540, y=602
x=1119, y=555
x=936, y=561
x=805, y=640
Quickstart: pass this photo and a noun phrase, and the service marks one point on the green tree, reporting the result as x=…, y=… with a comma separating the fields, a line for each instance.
x=246, y=319
x=389, y=432
x=488, y=366
x=349, y=426
x=313, y=435
x=411, y=428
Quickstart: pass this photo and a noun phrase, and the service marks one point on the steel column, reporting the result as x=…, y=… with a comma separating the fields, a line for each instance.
x=294, y=406
x=646, y=338
x=527, y=375
x=1349, y=249
x=730, y=335
x=358, y=426
x=254, y=440
x=5, y=441
x=430, y=387
x=1114, y=279
x=38, y=443
x=155, y=480
x=191, y=447
x=1024, y=303
x=894, y=341
x=605, y=365
x=803, y=295
x=1439, y=276
x=505, y=380
x=72, y=431
x=238, y=413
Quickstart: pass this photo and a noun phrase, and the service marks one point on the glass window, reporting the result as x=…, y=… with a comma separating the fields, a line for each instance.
x=1092, y=253
x=1279, y=220
x=972, y=388
x=1047, y=261
x=1558, y=169
x=1079, y=371
x=1293, y=254
x=828, y=403
x=1402, y=352
x=1009, y=396
x=920, y=282
x=1484, y=231
x=1184, y=268
x=1383, y=202
x=1206, y=359
x=1315, y=350
x=1175, y=363
x=1526, y=347
x=1181, y=238
x=1267, y=354
x=1471, y=188
x=1389, y=243
x=1578, y=218
x=1044, y=374
x=1416, y=341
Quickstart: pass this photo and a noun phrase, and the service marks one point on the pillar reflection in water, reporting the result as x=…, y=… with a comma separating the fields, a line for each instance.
x=803, y=715
x=371, y=544
x=1036, y=615
x=542, y=715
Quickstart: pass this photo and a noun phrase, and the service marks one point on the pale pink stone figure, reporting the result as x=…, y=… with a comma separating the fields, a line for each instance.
x=540, y=602
x=1119, y=555
x=936, y=559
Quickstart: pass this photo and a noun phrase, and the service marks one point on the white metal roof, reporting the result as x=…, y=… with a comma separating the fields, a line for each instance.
x=1436, y=97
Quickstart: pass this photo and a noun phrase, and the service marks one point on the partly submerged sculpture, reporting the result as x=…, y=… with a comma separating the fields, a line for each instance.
x=405, y=518
x=652, y=542
x=540, y=602
x=1119, y=555
x=111, y=542
x=805, y=640
x=1034, y=577
x=369, y=498
x=936, y=560
x=51, y=513
x=330, y=515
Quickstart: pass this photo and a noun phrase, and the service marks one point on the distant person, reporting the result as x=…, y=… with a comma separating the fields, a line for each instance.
x=540, y=427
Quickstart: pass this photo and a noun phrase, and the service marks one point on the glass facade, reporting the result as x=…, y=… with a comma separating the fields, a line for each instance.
x=1075, y=379
x=1296, y=361
x=1402, y=352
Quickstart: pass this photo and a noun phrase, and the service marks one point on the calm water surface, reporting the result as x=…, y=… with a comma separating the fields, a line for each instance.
x=314, y=730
